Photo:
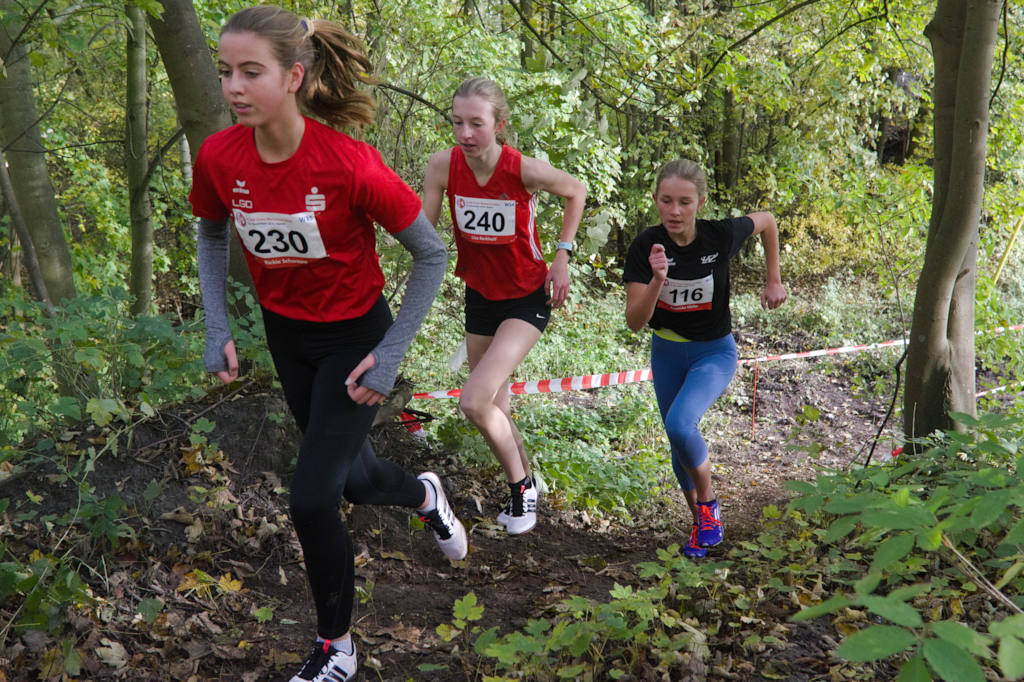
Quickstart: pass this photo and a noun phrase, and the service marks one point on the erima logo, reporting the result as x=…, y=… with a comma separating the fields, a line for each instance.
x=239, y=187
x=671, y=261
x=707, y=260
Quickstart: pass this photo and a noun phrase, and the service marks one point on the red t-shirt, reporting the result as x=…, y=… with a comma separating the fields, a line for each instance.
x=306, y=223
x=495, y=230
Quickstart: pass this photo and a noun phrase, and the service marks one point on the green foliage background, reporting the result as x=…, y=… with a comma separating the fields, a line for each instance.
x=611, y=91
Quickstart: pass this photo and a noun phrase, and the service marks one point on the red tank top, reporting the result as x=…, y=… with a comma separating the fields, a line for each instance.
x=495, y=231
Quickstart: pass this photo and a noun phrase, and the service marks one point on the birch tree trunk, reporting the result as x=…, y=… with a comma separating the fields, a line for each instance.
x=940, y=355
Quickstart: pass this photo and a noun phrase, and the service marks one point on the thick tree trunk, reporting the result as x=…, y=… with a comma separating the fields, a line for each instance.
x=940, y=357
x=20, y=141
x=193, y=78
x=137, y=163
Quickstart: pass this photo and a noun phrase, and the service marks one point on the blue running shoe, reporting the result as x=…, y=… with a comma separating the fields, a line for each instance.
x=709, y=524
x=692, y=549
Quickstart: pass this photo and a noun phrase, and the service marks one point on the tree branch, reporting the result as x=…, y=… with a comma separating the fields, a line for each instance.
x=741, y=41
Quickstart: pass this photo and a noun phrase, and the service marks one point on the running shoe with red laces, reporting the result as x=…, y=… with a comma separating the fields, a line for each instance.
x=709, y=524
x=691, y=548
x=328, y=664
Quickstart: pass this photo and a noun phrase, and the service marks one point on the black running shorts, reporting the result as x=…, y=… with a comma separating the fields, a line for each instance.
x=483, y=316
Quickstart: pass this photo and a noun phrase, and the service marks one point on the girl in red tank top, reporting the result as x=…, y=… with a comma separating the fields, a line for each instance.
x=492, y=195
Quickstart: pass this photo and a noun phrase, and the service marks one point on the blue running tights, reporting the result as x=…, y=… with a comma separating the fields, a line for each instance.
x=688, y=377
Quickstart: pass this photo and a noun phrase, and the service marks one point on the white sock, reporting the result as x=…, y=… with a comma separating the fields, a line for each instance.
x=431, y=497
x=342, y=644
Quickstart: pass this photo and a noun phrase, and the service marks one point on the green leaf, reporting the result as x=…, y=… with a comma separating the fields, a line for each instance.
x=914, y=670
x=1011, y=573
x=960, y=635
x=829, y=606
x=1008, y=627
x=263, y=614
x=466, y=608
x=149, y=609
x=893, y=549
x=852, y=504
x=875, y=642
x=990, y=508
x=894, y=610
x=952, y=663
x=1011, y=658
x=1016, y=534
x=841, y=528
x=486, y=638
x=867, y=584
x=906, y=518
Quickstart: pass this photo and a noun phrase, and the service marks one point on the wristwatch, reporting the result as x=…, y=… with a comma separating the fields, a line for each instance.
x=568, y=246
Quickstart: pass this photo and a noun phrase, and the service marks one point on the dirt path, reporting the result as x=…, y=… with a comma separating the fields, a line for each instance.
x=230, y=517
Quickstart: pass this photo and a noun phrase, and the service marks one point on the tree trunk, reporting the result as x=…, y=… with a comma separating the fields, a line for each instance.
x=22, y=235
x=20, y=141
x=526, y=50
x=197, y=97
x=940, y=355
x=728, y=168
x=137, y=163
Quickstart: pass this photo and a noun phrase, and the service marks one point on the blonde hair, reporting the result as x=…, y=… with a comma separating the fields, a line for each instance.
x=685, y=170
x=334, y=61
x=490, y=91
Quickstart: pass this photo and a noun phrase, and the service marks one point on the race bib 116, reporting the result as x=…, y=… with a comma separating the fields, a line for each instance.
x=685, y=295
x=486, y=221
x=281, y=240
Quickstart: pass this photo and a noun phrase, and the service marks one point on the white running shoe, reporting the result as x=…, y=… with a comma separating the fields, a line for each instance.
x=520, y=513
x=328, y=664
x=449, y=531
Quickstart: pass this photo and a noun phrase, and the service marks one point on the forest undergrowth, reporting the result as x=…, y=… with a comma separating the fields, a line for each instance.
x=147, y=539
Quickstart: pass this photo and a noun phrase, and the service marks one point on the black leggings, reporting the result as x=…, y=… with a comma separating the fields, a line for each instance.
x=313, y=360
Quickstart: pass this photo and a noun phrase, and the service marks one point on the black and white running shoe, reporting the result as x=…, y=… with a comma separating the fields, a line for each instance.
x=328, y=664
x=449, y=531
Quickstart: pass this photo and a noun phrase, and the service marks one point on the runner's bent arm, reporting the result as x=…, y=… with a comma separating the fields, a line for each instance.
x=774, y=293
x=435, y=180
x=537, y=174
x=429, y=260
x=641, y=298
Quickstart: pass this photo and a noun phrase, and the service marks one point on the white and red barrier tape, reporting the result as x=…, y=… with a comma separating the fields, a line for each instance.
x=586, y=381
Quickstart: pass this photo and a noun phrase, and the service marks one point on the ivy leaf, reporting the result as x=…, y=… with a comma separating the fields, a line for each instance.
x=875, y=642
x=952, y=663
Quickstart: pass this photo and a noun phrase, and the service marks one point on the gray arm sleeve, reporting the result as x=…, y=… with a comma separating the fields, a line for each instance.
x=212, y=254
x=429, y=261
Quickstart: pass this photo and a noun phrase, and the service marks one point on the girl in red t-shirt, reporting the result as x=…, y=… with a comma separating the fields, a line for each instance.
x=492, y=195
x=303, y=198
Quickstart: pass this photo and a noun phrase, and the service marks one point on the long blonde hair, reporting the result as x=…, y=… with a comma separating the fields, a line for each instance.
x=334, y=60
